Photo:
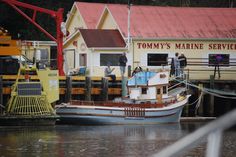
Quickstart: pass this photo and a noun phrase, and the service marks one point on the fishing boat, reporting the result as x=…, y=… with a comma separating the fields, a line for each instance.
x=149, y=101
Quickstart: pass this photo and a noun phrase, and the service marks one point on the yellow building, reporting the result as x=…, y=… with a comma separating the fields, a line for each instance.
x=79, y=17
x=157, y=33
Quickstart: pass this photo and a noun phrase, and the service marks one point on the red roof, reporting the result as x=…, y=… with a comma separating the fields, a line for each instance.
x=176, y=22
x=102, y=38
x=171, y=22
x=90, y=12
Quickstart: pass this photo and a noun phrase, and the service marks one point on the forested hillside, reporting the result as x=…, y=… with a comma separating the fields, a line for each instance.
x=20, y=27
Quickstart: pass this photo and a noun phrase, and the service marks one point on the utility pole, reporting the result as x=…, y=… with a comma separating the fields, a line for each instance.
x=129, y=12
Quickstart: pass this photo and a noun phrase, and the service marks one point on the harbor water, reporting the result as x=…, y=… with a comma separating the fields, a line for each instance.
x=102, y=141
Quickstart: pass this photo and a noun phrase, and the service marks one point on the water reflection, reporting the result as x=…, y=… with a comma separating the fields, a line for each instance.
x=115, y=141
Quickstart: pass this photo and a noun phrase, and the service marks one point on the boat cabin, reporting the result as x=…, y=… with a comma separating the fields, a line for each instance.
x=149, y=85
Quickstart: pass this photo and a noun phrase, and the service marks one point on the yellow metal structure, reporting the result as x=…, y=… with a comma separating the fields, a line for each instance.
x=29, y=97
x=9, y=46
x=49, y=80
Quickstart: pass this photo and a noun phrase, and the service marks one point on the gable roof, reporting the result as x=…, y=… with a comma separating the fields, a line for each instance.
x=95, y=38
x=153, y=22
x=90, y=12
x=176, y=22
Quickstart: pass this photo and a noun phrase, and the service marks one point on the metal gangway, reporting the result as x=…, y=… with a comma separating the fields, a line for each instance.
x=213, y=131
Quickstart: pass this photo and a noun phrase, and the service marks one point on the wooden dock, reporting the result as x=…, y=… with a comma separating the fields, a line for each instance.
x=76, y=87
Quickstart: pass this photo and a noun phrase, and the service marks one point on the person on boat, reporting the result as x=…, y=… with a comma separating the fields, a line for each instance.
x=136, y=70
x=182, y=63
x=108, y=72
x=122, y=62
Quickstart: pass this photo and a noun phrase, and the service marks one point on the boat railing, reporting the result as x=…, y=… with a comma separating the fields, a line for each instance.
x=213, y=131
x=147, y=104
x=180, y=80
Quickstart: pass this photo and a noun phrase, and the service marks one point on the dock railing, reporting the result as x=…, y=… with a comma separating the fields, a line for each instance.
x=213, y=131
x=180, y=80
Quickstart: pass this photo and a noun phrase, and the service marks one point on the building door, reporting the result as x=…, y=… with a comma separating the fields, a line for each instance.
x=69, y=58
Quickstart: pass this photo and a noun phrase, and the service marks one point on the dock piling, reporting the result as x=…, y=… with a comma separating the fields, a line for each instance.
x=201, y=108
x=212, y=98
x=124, y=88
x=88, y=88
x=104, y=93
x=129, y=70
x=68, y=88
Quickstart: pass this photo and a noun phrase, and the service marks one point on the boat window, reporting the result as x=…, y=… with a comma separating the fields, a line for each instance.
x=158, y=91
x=164, y=89
x=112, y=59
x=144, y=90
x=157, y=59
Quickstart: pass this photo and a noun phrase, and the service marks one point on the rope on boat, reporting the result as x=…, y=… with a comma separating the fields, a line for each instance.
x=2, y=106
x=199, y=102
x=213, y=92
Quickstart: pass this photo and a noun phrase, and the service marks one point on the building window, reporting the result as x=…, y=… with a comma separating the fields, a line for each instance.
x=218, y=59
x=157, y=59
x=158, y=91
x=113, y=59
x=144, y=90
x=82, y=60
x=164, y=89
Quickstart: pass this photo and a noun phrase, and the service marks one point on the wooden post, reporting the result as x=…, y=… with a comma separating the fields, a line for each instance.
x=124, y=88
x=187, y=79
x=186, y=111
x=129, y=70
x=68, y=88
x=104, y=93
x=187, y=108
x=212, y=98
x=201, y=109
x=88, y=88
x=1, y=93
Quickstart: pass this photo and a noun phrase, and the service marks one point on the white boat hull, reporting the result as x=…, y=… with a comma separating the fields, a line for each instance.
x=90, y=115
